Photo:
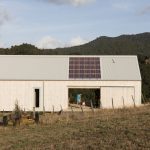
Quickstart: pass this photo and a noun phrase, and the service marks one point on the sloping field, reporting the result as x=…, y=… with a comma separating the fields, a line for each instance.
x=105, y=129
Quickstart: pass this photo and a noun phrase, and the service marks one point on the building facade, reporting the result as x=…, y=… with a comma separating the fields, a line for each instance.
x=43, y=82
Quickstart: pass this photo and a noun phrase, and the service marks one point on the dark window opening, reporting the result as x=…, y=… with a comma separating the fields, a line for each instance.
x=37, y=97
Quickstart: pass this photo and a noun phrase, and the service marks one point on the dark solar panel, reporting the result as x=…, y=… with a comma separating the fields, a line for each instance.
x=84, y=68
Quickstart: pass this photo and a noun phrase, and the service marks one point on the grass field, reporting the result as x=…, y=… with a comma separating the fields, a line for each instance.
x=106, y=129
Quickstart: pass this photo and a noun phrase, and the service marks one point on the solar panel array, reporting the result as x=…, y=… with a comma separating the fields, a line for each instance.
x=84, y=68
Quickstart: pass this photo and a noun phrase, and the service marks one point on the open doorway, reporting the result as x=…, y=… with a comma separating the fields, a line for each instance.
x=85, y=96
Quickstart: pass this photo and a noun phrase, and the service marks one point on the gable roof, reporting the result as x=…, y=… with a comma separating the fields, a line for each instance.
x=53, y=67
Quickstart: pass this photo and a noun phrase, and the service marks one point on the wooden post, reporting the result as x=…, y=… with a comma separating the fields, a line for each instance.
x=3, y=112
x=112, y=103
x=61, y=108
x=133, y=100
x=100, y=104
x=36, y=117
x=43, y=109
x=92, y=106
x=33, y=112
x=123, y=102
x=81, y=108
x=71, y=109
x=53, y=108
x=143, y=98
x=5, y=120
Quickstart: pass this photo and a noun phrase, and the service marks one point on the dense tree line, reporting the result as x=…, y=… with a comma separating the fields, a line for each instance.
x=138, y=44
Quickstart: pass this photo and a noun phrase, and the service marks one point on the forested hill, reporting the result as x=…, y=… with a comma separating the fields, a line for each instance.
x=138, y=44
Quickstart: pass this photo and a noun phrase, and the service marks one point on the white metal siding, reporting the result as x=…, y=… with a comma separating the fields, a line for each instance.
x=21, y=91
x=117, y=97
x=56, y=93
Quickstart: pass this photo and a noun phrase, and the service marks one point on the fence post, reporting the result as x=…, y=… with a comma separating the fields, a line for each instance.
x=133, y=100
x=5, y=120
x=33, y=112
x=3, y=112
x=143, y=98
x=61, y=108
x=123, y=102
x=43, y=109
x=81, y=108
x=112, y=103
x=53, y=108
x=36, y=117
x=92, y=106
x=72, y=109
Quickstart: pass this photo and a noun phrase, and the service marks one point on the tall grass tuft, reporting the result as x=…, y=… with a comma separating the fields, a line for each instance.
x=17, y=114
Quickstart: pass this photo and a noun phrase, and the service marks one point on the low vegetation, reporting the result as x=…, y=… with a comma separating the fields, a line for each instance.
x=103, y=129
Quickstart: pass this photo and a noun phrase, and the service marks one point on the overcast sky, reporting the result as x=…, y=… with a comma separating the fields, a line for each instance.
x=61, y=23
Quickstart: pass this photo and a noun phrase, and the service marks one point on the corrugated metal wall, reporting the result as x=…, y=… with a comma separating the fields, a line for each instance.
x=117, y=97
x=56, y=93
x=21, y=91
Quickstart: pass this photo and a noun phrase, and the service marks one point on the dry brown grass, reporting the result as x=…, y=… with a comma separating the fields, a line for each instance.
x=105, y=129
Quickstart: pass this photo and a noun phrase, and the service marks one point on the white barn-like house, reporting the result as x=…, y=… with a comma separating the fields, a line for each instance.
x=43, y=81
